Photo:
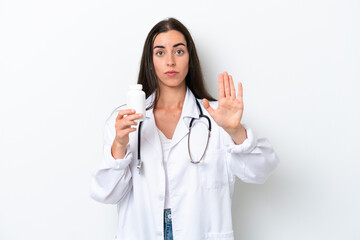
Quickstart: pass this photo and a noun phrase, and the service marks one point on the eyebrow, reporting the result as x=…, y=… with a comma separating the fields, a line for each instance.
x=176, y=45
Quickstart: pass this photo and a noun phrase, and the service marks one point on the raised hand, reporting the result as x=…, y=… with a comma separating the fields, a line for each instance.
x=230, y=108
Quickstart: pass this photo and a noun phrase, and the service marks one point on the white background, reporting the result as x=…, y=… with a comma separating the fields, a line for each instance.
x=65, y=65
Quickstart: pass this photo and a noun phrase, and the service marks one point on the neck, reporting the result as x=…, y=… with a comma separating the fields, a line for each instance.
x=171, y=98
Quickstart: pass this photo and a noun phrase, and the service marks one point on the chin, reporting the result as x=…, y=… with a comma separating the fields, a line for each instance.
x=173, y=84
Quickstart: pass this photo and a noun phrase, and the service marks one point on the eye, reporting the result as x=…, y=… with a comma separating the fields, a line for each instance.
x=159, y=53
x=179, y=52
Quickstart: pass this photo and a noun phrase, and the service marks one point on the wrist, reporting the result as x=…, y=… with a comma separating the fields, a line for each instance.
x=238, y=135
x=118, y=150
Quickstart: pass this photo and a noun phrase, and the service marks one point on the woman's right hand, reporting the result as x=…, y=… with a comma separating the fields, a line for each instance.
x=123, y=125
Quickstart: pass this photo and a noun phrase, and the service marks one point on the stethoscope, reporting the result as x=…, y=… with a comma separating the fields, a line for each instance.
x=140, y=162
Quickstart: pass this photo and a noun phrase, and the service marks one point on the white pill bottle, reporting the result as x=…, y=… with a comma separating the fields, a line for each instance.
x=135, y=99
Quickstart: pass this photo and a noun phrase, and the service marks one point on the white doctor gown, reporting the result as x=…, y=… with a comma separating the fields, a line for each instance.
x=200, y=194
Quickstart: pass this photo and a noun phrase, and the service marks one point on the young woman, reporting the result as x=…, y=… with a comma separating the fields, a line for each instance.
x=184, y=187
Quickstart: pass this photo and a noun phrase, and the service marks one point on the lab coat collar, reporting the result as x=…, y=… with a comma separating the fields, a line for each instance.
x=189, y=111
x=189, y=108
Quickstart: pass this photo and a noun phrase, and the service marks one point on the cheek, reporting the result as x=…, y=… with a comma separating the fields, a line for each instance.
x=157, y=65
x=186, y=64
x=187, y=60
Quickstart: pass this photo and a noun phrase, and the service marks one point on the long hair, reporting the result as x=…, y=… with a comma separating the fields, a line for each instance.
x=147, y=76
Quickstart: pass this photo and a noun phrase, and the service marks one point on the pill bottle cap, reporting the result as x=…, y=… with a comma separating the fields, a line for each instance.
x=135, y=87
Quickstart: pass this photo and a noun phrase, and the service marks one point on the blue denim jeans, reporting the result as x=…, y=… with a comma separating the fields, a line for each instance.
x=168, y=234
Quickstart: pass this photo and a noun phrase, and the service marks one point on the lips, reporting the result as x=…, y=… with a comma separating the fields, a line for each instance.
x=171, y=73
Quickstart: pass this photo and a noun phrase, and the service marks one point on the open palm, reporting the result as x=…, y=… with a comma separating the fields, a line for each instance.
x=229, y=112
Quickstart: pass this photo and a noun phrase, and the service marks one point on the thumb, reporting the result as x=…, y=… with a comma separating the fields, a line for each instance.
x=207, y=107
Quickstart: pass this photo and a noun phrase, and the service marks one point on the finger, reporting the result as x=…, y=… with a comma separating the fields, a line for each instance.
x=129, y=130
x=130, y=123
x=206, y=103
x=232, y=87
x=207, y=107
x=124, y=112
x=221, y=86
x=227, y=85
x=123, y=133
x=240, y=92
x=124, y=123
x=134, y=116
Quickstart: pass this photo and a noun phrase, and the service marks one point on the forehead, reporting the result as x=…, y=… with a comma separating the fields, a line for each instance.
x=169, y=38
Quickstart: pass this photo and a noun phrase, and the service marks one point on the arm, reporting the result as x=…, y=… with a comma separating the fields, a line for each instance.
x=112, y=181
x=251, y=159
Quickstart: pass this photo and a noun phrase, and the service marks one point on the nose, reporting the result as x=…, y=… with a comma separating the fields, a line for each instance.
x=171, y=60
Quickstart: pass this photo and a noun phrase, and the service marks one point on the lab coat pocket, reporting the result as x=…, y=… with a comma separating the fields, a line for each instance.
x=213, y=169
x=220, y=236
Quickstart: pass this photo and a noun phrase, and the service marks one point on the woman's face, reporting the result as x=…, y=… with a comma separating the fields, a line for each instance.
x=171, y=59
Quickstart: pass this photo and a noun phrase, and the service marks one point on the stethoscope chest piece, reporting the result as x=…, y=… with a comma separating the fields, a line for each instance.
x=139, y=165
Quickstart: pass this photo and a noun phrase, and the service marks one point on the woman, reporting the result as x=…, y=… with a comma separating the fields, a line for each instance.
x=172, y=197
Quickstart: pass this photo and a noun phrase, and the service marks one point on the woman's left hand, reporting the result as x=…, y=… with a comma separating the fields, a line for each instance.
x=230, y=108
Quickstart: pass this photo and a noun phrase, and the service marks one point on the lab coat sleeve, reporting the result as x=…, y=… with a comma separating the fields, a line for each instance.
x=112, y=180
x=254, y=160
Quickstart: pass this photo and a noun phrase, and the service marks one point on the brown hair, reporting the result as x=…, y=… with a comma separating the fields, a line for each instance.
x=147, y=76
